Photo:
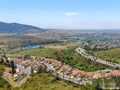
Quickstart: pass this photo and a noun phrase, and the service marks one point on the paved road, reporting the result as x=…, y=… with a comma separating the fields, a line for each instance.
x=82, y=52
x=80, y=81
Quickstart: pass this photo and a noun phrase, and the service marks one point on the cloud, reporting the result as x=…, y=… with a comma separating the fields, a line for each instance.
x=71, y=13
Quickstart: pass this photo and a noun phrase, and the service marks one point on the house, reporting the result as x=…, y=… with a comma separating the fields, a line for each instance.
x=89, y=75
x=108, y=75
x=75, y=72
x=97, y=76
x=116, y=72
x=18, y=75
x=26, y=70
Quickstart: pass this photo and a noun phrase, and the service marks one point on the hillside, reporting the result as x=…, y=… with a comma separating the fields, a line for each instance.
x=17, y=28
x=110, y=55
x=68, y=56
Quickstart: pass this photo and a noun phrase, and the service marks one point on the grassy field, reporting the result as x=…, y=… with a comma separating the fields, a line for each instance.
x=46, y=82
x=63, y=46
x=68, y=56
x=39, y=52
x=111, y=55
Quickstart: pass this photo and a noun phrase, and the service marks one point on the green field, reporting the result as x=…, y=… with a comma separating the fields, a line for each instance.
x=111, y=55
x=68, y=56
x=39, y=52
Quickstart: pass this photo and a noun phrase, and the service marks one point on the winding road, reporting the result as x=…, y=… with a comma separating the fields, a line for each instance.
x=82, y=52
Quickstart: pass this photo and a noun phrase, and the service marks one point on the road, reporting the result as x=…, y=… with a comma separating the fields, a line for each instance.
x=82, y=52
x=80, y=81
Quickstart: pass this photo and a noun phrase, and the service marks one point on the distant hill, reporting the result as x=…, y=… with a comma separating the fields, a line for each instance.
x=17, y=28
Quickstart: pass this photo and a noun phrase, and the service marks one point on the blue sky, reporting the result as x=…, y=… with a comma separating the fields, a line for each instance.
x=68, y=14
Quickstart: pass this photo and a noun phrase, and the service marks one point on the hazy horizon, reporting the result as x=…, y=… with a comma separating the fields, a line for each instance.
x=62, y=14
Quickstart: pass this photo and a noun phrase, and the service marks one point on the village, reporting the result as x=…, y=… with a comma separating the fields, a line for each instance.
x=23, y=68
x=105, y=45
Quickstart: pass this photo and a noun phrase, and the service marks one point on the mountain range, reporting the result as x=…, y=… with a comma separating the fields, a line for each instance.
x=17, y=28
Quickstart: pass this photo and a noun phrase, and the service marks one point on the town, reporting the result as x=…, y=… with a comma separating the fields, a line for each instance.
x=25, y=67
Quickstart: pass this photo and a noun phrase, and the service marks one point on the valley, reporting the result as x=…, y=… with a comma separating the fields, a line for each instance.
x=67, y=61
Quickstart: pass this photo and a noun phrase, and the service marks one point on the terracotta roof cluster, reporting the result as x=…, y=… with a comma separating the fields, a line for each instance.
x=36, y=61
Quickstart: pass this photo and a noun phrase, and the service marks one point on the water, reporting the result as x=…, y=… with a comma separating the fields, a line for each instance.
x=31, y=46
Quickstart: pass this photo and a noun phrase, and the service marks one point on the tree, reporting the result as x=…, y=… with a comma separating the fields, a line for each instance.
x=13, y=66
x=41, y=69
x=32, y=70
x=27, y=56
x=117, y=68
x=1, y=61
x=7, y=63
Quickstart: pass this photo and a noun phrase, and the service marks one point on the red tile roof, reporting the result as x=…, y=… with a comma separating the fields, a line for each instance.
x=97, y=75
x=116, y=72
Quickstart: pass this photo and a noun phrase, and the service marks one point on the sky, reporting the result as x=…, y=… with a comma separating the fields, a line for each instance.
x=62, y=14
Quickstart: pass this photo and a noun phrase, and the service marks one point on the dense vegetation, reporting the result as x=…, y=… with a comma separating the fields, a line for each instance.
x=68, y=56
x=111, y=55
x=71, y=57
